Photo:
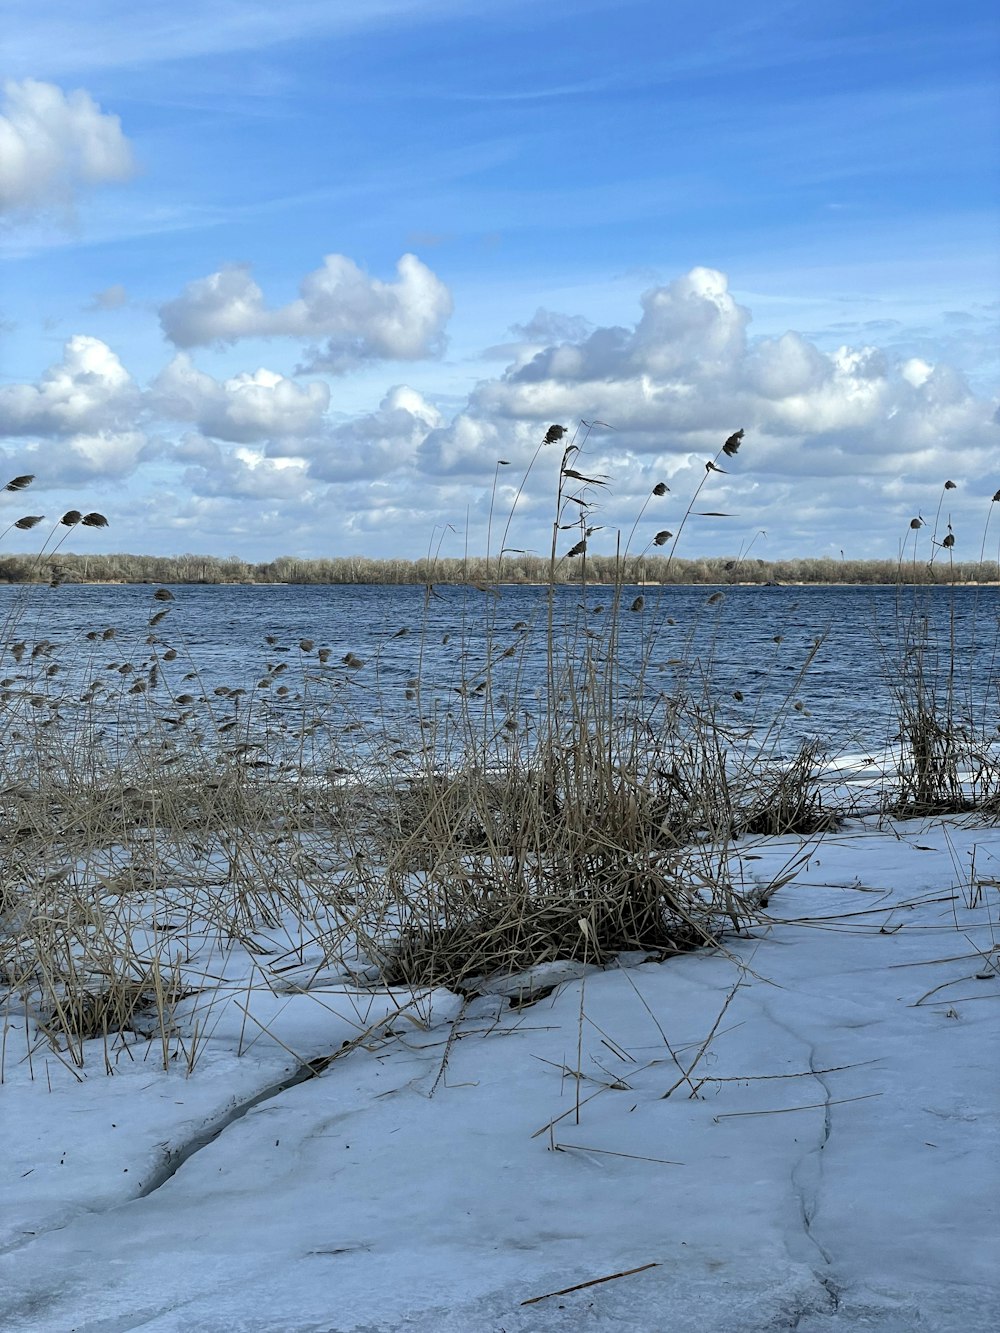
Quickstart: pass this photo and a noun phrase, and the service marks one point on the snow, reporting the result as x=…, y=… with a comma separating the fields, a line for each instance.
x=831, y=1162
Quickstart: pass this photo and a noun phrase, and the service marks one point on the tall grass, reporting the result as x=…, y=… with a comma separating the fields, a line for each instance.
x=568, y=789
x=593, y=816
x=947, y=715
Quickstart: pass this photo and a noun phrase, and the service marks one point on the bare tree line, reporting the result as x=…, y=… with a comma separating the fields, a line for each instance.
x=514, y=569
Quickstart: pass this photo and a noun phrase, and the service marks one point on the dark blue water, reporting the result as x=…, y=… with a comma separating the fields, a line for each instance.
x=823, y=659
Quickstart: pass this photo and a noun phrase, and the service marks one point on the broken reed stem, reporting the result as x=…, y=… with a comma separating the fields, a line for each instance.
x=594, y=1282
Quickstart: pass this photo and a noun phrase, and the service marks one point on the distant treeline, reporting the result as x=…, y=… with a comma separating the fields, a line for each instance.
x=512, y=569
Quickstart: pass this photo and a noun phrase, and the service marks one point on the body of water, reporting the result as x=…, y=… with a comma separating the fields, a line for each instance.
x=749, y=641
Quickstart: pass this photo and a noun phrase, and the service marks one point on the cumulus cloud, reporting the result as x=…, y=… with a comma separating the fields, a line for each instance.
x=243, y=409
x=693, y=328
x=52, y=142
x=88, y=456
x=373, y=444
x=361, y=318
x=544, y=328
x=86, y=408
x=246, y=473
x=88, y=390
x=688, y=368
x=548, y=326
x=471, y=443
x=103, y=454
x=361, y=451
x=839, y=443
x=825, y=427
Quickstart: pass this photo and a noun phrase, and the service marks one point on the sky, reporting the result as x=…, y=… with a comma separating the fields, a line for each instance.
x=291, y=280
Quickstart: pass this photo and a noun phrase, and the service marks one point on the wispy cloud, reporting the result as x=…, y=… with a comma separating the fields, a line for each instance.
x=62, y=38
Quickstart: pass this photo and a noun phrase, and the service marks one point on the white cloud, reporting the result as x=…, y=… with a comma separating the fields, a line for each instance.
x=362, y=318
x=242, y=409
x=693, y=328
x=52, y=142
x=546, y=326
x=86, y=408
x=471, y=444
x=360, y=451
x=916, y=371
x=843, y=445
x=376, y=443
x=108, y=454
x=827, y=433
x=687, y=367
x=222, y=308
x=246, y=473
x=89, y=390
x=781, y=367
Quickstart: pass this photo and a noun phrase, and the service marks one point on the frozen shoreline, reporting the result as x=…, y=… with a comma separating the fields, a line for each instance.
x=831, y=1162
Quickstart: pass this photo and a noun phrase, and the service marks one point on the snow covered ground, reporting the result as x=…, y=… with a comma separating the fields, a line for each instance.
x=799, y=1132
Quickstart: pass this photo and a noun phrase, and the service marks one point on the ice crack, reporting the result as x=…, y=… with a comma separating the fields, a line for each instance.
x=807, y=1172
x=176, y=1157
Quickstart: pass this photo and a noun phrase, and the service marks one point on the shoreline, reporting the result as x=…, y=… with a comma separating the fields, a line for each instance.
x=476, y=585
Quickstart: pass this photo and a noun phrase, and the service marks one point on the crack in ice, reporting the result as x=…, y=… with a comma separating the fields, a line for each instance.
x=807, y=1173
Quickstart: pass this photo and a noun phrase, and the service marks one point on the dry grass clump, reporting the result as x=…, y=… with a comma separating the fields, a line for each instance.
x=788, y=798
x=948, y=722
x=613, y=841
x=928, y=773
x=78, y=964
x=111, y=896
x=567, y=861
x=593, y=817
x=148, y=820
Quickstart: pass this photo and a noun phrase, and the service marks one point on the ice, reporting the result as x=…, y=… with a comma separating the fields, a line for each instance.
x=829, y=1161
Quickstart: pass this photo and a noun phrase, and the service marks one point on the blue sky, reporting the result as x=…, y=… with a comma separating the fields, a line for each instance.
x=290, y=279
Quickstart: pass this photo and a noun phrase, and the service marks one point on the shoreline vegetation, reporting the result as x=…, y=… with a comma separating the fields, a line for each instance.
x=522, y=570
x=548, y=791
